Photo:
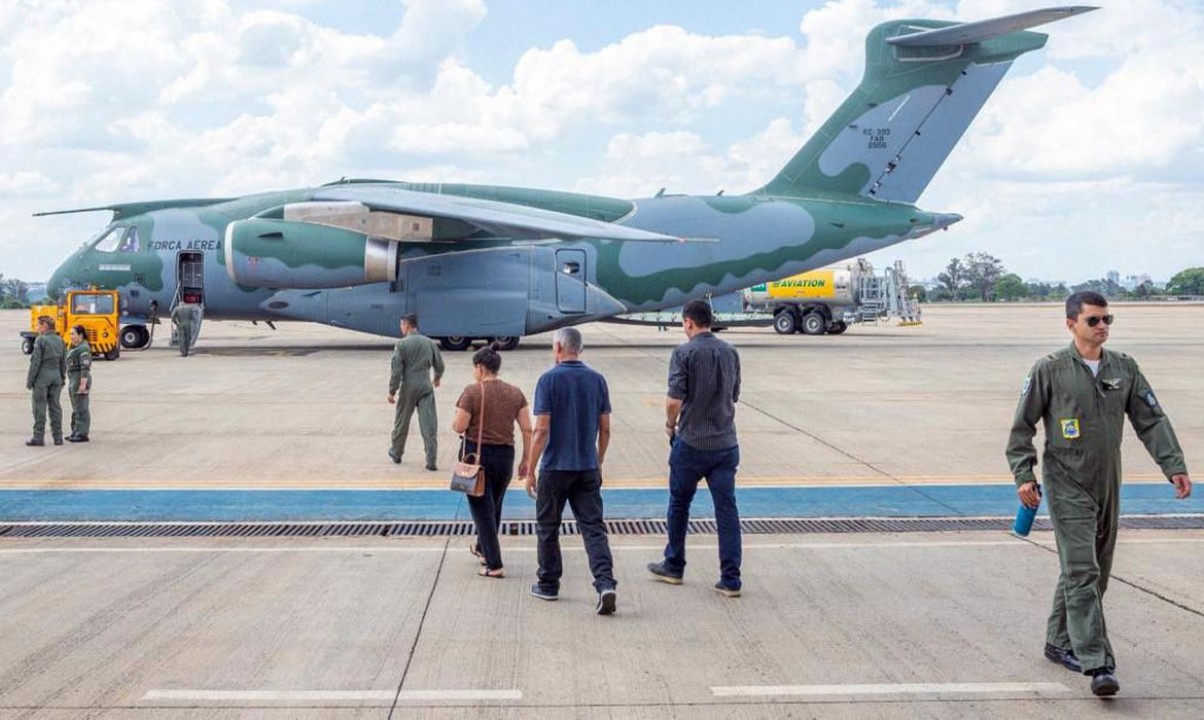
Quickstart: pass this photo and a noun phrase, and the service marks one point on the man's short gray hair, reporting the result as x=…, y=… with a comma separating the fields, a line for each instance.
x=569, y=340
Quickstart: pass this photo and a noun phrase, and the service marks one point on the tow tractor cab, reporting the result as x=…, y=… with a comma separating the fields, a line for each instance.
x=96, y=310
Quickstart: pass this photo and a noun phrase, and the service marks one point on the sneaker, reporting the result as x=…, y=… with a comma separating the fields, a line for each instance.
x=549, y=595
x=664, y=574
x=606, y=602
x=1065, y=658
x=726, y=591
x=1104, y=683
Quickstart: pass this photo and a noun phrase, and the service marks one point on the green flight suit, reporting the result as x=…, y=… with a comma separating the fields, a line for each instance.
x=47, y=369
x=413, y=358
x=79, y=367
x=183, y=317
x=1084, y=417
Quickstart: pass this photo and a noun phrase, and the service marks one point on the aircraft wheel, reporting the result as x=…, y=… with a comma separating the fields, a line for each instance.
x=134, y=337
x=784, y=323
x=27, y=346
x=455, y=343
x=837, y=328
x=813, y=324
x=508, y=342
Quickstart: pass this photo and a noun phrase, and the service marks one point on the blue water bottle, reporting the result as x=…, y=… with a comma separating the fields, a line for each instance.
x=1025, y=516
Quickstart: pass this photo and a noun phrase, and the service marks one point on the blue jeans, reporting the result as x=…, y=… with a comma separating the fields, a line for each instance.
x=687, y=466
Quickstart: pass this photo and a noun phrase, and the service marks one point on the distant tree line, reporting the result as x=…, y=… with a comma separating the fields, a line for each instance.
x=981, y=277
x=14, y=293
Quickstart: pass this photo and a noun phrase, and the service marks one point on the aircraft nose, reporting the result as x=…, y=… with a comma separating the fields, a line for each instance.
x=55, y=284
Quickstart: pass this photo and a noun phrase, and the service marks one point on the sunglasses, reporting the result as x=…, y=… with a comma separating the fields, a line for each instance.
x=1097, y=319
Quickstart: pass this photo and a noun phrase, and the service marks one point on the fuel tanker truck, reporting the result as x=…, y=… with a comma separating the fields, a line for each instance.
x=830, y=299
x=821, y=301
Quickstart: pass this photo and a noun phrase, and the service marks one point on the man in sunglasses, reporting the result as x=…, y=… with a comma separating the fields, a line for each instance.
x=1083, y=393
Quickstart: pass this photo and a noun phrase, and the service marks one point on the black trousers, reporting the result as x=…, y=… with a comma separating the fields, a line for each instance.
x=498, y=463
x=582, y=490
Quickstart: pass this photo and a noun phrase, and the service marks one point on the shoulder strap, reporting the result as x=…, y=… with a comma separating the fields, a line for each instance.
x=480, y=427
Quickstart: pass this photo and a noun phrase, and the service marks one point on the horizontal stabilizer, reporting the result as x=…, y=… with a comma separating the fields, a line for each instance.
x=975, y=32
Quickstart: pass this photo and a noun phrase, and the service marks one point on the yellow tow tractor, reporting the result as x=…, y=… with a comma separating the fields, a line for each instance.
x=96, y=310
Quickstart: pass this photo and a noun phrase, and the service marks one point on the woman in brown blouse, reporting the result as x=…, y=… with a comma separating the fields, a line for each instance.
x=505, y=405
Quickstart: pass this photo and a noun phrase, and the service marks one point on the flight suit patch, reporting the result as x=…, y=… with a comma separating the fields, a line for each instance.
x=1111, y=384
x=1070, y=428
x=1028, y=382
x=1149, y=398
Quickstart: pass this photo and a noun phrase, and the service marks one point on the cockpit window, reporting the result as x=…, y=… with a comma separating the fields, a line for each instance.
x=118, y=239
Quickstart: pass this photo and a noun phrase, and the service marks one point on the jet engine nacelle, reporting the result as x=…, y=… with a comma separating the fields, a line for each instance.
x=278, y=253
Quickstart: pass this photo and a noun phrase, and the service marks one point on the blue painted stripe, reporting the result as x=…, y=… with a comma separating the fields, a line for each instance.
x=343, y=505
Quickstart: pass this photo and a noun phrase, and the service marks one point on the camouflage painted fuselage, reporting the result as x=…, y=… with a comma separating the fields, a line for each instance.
x=480, y=261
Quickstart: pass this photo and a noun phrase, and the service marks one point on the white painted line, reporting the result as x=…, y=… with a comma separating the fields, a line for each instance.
x=885, y=689
x=328, y=696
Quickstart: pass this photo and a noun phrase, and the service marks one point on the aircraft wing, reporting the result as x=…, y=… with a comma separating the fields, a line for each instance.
x=496, y=218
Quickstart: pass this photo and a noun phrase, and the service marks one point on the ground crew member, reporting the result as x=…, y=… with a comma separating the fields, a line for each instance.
x=414, y=356
x=79, y=384
x=47, y=369
x=183, y=316
x=1082, y=394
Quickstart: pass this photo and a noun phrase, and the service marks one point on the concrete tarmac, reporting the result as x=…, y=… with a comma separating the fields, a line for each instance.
x=305, y=406
x=915, y=625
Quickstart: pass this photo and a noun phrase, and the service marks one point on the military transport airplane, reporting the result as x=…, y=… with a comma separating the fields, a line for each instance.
x=482, y=261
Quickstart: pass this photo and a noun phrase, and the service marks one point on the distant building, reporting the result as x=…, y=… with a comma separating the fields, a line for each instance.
x=1113, y=277
x=1132, y=282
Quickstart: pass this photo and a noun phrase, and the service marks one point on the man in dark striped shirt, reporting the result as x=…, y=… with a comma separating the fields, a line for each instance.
x=700, y=413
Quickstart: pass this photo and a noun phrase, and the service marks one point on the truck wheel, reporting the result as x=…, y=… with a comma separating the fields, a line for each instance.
x=837, y=328
x=113, y=354
x=814, y=324
x=508, y=342
x=134, y=337
x=455, y=343
x=784, y=323
x=27, y=346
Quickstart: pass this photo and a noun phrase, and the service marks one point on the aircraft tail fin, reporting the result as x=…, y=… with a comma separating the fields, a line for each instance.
x=924, y=82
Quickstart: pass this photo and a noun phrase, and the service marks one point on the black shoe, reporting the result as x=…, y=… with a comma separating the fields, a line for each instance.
x=58, y=441
x=726, y=591
x=394, y=456
x=1104, y=683
x=78, y=438
x=1065, y=658
x=607, y=599
x=431, y=467
x=537, y=591
x=664, y=574
x=35, y=442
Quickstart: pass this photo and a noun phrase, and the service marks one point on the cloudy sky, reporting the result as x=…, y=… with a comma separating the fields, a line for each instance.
x=1089, y=157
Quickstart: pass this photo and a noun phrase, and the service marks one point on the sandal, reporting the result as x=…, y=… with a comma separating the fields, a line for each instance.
x=486, y=572
x=472, y=548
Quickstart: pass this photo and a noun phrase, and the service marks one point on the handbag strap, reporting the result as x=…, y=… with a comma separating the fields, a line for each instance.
x=480, y=426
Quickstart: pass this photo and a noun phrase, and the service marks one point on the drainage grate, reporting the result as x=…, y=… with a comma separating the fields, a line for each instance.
x=457, y=528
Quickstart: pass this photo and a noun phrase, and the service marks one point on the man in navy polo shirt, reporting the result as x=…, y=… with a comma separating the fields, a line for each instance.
x=572, y=430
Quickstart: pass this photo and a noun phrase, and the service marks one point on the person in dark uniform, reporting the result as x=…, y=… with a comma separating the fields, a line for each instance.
x=1082, y=394
x=79, y=384
x=47, y=369
x=411, y=388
